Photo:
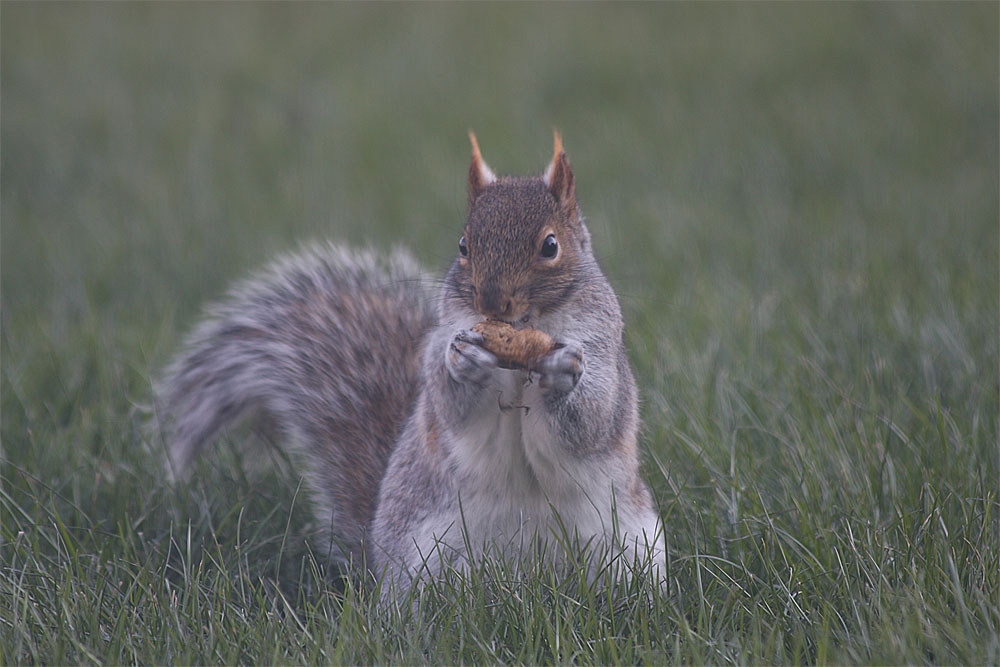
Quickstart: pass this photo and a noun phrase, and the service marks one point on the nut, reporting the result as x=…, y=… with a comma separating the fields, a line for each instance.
x=520, y=349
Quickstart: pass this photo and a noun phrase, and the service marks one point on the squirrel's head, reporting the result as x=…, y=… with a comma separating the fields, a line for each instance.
x=524, y=241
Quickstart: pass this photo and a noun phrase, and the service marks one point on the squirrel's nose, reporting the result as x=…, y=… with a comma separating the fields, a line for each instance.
x=490, y=303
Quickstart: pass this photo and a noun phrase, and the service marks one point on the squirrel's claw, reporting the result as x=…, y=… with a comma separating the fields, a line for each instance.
x=562, y=368
x=467, y=361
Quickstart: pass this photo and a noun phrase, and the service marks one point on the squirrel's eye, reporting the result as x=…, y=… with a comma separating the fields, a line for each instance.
x=550, y=247
x=462, y=248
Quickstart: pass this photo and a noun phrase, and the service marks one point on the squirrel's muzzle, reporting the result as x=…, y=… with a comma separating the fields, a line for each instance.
x=493, y=303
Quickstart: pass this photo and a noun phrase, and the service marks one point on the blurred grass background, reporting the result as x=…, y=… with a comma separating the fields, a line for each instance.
x=798, y=204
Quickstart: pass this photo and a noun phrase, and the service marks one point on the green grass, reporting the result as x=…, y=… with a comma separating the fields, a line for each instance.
x=798, y=205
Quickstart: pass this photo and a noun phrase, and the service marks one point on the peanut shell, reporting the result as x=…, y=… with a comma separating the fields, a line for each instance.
x=520, y=349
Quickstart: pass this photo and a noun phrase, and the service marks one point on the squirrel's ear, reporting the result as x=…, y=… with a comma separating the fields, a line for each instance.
x=558, y=176
x=480, y=174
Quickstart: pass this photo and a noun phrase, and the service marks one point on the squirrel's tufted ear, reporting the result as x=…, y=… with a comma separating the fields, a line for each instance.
x=558, y=176
x=480, y=174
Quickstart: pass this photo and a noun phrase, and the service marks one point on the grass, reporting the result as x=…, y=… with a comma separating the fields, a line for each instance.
x=798, y=205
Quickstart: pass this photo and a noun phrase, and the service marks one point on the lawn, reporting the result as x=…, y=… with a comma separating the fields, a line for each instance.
x=797, y=204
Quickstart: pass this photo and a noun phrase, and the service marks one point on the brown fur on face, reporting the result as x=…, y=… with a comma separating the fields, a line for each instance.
x=504, y=276
x=501, y=272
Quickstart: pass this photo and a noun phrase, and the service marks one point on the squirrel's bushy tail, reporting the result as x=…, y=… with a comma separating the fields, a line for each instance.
x=326, y=343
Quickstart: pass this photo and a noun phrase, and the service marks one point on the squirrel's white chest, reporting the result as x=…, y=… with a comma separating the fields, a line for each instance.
x=513, y=470
x=514, y=480
x=492, y=448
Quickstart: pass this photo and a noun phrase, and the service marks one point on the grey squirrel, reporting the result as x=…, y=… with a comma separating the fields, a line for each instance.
x=419, y=452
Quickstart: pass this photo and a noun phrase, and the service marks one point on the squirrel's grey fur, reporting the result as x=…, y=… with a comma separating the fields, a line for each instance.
x=417, y=448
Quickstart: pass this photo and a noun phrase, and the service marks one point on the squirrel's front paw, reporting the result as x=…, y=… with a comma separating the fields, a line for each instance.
x=467, y=361
x=562, y=368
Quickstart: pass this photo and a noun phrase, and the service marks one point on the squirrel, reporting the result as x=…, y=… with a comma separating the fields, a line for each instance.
x=418, y=450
